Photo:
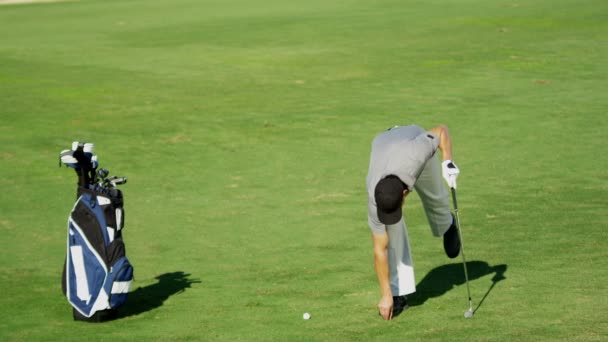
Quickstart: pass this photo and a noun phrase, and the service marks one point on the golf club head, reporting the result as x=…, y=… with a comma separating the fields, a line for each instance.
x=468, y=314
x=66, y=157
x=102, y=173
x=118, y=180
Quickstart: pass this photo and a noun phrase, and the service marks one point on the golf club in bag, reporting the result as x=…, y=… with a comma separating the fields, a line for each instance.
x=469, y=313
x=97, y=274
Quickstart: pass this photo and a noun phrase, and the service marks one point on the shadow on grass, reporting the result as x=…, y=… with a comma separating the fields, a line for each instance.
x=153, y=296
x=443, y=278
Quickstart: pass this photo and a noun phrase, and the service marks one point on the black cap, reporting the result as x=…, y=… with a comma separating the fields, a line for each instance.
x=389, y=197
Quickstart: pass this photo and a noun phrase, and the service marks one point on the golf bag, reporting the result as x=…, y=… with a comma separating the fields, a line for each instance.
x=97, y=274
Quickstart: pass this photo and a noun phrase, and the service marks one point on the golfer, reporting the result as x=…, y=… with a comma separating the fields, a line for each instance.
x=403, y=160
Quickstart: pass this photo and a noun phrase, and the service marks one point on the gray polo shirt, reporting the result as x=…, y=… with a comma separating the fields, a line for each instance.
x=401, y=151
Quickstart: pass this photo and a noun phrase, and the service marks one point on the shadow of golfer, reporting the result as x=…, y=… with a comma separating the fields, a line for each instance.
x=152, y=296
x=443, y=278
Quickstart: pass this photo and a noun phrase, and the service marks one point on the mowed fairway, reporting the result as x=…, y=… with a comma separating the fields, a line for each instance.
x=244, y=130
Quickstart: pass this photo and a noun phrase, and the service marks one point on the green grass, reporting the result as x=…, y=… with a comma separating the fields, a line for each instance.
x=244, y=129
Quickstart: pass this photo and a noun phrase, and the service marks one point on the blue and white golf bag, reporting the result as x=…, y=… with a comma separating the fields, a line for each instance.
x=97, y=274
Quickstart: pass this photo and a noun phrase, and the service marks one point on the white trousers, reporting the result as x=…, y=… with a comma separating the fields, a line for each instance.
x=434, y=196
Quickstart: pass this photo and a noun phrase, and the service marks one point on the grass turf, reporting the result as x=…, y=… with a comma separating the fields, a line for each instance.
x=244, y=130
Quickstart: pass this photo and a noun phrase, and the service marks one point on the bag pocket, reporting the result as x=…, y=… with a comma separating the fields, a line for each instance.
x=118, y=282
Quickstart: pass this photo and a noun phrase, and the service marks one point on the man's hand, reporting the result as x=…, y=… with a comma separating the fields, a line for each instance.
x=385, y=307
x=449, y=172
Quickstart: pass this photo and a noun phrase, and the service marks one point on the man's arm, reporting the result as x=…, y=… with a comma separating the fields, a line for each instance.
x=445, y=142
x=449, y=170
x=385, y=306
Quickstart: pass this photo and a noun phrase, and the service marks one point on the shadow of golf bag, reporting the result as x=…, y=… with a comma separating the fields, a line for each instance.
x=97, y=274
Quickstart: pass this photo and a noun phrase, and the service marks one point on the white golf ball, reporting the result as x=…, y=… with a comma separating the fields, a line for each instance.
x=306, y=316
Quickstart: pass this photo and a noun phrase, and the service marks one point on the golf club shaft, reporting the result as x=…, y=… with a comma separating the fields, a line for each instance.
x=464, y=260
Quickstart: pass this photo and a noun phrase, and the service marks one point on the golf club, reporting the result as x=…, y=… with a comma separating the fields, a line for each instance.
x=113, y=181
x=102, y=174
x=117, y=180
x=469, y=312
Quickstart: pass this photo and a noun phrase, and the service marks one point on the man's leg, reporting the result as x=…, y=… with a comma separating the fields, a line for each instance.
x=401, y=267
x=434, y=196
